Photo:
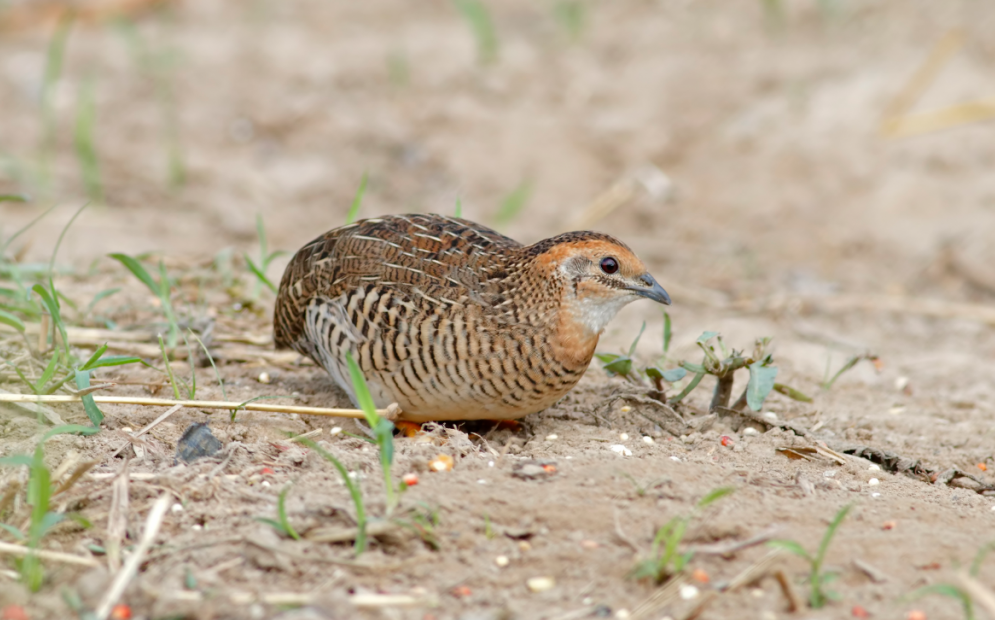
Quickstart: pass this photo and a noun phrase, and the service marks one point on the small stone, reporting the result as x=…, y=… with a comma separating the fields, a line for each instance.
x=502, y=561
x=540, y=584
x=197, y=442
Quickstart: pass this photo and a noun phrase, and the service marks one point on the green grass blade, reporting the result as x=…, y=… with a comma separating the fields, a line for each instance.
x=459, y=208
x=479, y=19
x=85, y=143
x=256, y=271
x=281, y=511
x=11, y=321
x=169, y=369
x=828, y=536
x=357, y=497
x=210, y=359
x=667, y=334
x=138, y=271
x=687, y=390
x=89, y=405
x=53, y=309
x=513, y=203
x=715, y=495
x=357, y=201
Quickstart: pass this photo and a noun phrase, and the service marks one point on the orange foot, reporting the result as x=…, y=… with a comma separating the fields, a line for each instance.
x=408, y=429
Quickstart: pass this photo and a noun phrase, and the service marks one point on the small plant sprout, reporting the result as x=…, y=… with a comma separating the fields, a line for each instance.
x=571, y=16
x=459, y=208
x=621, y=365
x=817, y=578
x=479, y=19
x=354, y=492
x=828, y=382
x=282, y=524
x=383, y=431
x=357, y=201
x=161, y=289
x=265, y=258
x=39, y=494
x=955, y=592
x=665, y=559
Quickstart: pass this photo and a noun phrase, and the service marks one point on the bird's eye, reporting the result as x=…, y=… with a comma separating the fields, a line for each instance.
x=609, y=265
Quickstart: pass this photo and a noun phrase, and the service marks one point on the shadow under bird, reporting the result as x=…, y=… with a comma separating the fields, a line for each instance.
x=452, y=320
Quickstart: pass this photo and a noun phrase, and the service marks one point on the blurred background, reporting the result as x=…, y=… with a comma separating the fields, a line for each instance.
x=742, y=149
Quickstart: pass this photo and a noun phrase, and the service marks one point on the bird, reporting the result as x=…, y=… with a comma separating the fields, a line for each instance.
x=452, y=320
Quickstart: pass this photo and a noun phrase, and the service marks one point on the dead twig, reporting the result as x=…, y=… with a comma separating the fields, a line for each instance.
x=729, y=548
x=130, y=568
x=49, y=556
x=199, y=404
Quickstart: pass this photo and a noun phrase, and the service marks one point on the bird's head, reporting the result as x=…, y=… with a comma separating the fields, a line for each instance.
x=599, y=275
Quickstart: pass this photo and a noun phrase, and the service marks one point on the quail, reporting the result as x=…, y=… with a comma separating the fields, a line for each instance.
x=452, y=320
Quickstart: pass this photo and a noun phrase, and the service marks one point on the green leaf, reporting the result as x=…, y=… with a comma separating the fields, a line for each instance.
x=715, y=495
x=96, y=356
x=632, y=347
x=621, y=366
x=791, y=547
x=459, y=208
x=281, y=511
x=50, y=520
x=357, y=201
x=687, y=390
x=14, y=198
x=53, y=308
x=89, y=405
x=276, y=525
x=18, y=534
x=138, y=271
x=9, y=319
x=760, y=385
x=705, y=337
x=256, y=271
x=114, y=360
x=674, y=374
x=791, y=393
x=692, y=367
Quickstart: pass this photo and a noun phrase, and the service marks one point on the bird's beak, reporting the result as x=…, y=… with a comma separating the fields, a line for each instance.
x=652, y=290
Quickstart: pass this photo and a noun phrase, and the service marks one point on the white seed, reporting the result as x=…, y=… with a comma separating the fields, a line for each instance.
x=901, y=383
x=502, y=561
x=749, y=430
x=620, y=449
x=875, y=495
x=552, y=437
x=874, y=467
x=648, y=440
x=623, y=614
x=873, y=482
x=264, y=483
x=264, y=377
x=626, y=409
x=829, y=473
x=674, y=458
x=490, y=463
x=335, y=430
x=896, y=410
x=770, y=415
x=481, y=481
x=623, y=437
x=177, y=508
x=540, y=584
x=688, y=592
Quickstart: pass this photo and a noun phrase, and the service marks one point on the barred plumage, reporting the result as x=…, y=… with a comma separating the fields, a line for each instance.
x=451, y=319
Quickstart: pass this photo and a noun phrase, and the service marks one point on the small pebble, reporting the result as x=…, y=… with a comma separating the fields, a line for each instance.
x=524, y=545
x=540, y=584
x=552, y=437
x=648, y=440
x=873, y=482
x=620, y=449
x=264, y=377
x=689, y=592
x=502, y=561
x=623, y=437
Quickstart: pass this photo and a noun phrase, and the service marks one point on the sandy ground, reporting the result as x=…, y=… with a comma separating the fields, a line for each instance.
x=776, y=207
